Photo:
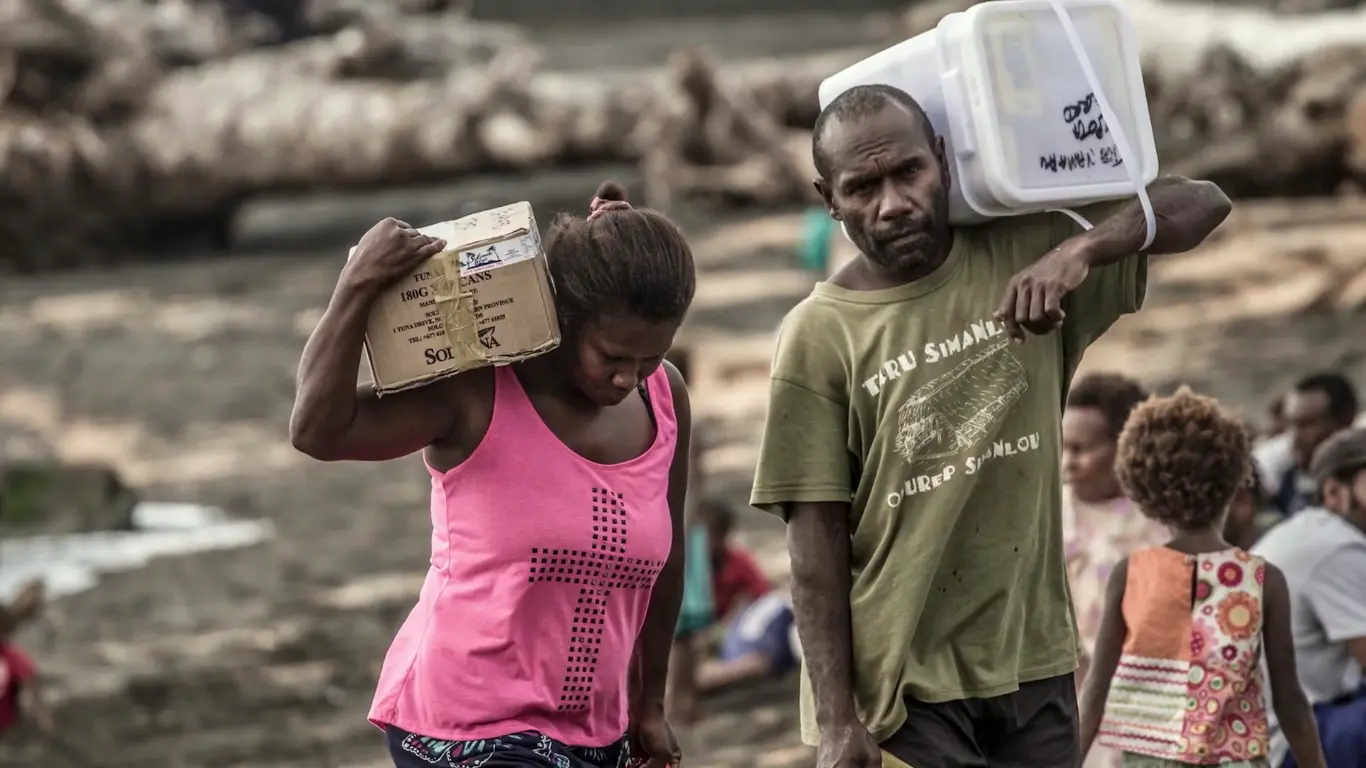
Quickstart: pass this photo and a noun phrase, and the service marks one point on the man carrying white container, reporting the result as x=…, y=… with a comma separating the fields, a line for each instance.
x=912, y=446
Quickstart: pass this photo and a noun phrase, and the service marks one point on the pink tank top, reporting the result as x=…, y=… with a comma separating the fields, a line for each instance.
x=541, y=571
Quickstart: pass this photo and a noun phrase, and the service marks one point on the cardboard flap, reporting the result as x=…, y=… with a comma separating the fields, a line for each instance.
x=483, y=227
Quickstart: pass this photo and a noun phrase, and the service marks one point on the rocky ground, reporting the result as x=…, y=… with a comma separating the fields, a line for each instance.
x=181, y=377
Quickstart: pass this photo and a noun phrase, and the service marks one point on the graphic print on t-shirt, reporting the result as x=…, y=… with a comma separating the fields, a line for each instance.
x=588, y=576
x=949, y=426
x=957, y=409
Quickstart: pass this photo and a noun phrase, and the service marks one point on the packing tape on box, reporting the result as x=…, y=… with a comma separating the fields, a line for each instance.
x=457, y=309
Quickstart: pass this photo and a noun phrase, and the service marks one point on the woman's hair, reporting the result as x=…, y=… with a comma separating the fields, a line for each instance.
x=1182, y=459
x=619, y=261
x=1115, y=396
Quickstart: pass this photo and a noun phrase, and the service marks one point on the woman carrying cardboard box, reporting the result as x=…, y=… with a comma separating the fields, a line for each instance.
x=542, y=633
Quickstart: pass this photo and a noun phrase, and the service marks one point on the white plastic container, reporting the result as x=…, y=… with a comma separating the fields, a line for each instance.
x=1017, y=88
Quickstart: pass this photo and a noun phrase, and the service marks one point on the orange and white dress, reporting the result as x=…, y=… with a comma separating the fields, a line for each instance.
x=1188, y=688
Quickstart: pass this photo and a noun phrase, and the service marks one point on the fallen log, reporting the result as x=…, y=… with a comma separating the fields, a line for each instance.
x=276, y=120
x=703, y=140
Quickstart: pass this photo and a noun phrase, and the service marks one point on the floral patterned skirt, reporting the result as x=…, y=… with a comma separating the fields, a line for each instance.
x=527, y=748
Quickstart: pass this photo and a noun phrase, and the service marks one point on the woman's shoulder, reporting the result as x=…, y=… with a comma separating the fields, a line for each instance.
x=678, y=388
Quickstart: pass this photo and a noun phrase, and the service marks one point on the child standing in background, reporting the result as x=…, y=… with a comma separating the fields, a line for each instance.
x=1176, y=677
x=21, y=700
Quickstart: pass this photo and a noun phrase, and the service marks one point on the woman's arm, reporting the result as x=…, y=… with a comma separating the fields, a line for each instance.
x=1292, y=707
x=332, y=419
x=657, y=636
x=1105, y=657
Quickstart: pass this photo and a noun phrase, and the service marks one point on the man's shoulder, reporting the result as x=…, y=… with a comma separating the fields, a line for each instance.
x=817, y=310
x=1308, y=538
x=1031, y=229
x=816, y=324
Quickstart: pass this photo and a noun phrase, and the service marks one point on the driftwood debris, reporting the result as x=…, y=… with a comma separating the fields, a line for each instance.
x=409, y=100
x=117, y=129
x=704, y=140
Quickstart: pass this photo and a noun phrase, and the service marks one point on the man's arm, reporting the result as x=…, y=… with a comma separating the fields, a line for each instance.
x=1357, y=647
x=1187, y=212
x=818, y=543
x=1337, y=594
x=805, y=474
x=661, y=618
x=1091, y=278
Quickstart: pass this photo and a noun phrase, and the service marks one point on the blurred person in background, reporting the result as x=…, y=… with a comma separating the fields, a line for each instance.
x=1100, y=526
x=756, y=616
x=1275, y=416
x=535, y=641
x=1322, y=551
x=1273, y=450
x=21, y=693
x=1251, y=514
x=1317, y=407
x=751, y=635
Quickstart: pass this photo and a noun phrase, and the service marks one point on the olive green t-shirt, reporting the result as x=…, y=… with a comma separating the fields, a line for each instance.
x=914, y=405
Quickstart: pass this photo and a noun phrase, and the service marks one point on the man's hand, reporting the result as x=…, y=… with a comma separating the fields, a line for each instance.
x=390, y=251
x=652, y=741
x=1033, y=299
x=848, y=746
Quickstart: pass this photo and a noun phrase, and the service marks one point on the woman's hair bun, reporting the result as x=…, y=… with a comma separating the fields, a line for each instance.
x=611, y=190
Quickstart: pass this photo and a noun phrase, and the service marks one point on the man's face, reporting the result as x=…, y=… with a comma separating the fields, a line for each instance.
x=1347, y=499
x=889, y=185
x=1310, y=422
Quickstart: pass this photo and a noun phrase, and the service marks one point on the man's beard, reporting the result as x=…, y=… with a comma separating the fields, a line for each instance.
x=936, y=232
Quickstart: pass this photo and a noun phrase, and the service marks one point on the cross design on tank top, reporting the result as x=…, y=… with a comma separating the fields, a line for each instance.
x=593, y=573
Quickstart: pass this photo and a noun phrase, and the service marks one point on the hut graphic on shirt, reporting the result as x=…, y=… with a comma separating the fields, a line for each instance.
x=958, y=409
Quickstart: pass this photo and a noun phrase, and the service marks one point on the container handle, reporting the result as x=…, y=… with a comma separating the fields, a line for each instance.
x=1126, y=154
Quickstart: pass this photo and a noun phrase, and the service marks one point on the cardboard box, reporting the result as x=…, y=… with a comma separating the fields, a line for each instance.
x=487, y=299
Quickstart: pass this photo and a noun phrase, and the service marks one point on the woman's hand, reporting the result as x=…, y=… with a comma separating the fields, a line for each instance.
x=390, y=251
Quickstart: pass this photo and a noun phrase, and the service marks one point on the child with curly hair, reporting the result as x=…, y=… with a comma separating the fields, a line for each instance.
x=1176, y=677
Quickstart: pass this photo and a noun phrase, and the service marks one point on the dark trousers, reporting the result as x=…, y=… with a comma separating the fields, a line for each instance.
x=1034, y=727
x=516, y=750
x=1342, y=729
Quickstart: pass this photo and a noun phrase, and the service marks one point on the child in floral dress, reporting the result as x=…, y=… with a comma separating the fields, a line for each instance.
x=1176, y=677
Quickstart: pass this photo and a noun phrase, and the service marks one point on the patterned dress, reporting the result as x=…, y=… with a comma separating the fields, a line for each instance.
x=1188, y=687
